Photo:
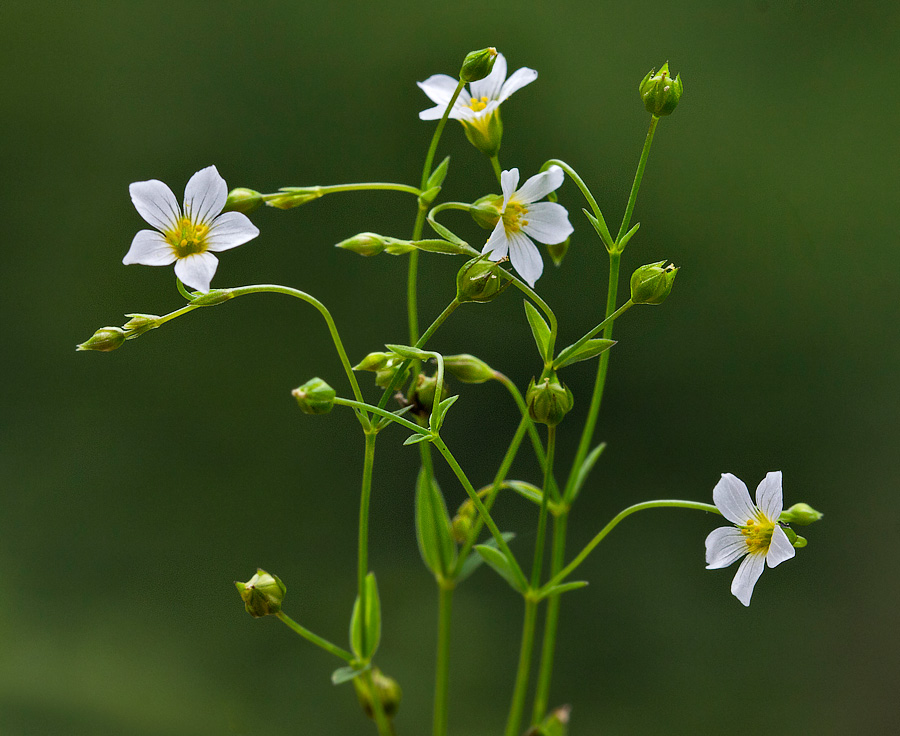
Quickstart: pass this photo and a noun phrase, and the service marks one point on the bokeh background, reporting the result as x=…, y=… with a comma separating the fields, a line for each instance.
x=136, y=486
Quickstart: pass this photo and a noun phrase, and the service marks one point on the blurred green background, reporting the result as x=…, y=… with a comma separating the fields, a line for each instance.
x=137, y=485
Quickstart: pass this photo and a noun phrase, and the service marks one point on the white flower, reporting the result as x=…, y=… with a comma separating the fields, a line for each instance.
x=474, y=108
x=522, y=215
x=757, y=534
x=187, y=237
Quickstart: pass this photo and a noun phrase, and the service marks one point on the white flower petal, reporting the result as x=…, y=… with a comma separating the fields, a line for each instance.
x=540, y=185
x=780, y=549
x=439, y=88
x=732, y=498
x=519, y=79
x=525, y=257
x=723, y=546
x=548, y=222
x=155, y=202
x=150, y=249
x=230, y=230
x=498, y=244
x=437, y=112
x=491, y=85
x=746, y=576
x=769, y=497
x=197, y=270
x=509, y=180
x=205, y=195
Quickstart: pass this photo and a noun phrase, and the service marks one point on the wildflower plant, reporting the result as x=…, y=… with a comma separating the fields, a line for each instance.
x=413, y=394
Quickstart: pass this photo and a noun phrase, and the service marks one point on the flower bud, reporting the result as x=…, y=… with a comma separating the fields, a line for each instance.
x=374, y=362
x=314, y=397
x=242, y=200
x=468, y=369
x=140, y=323
x=660, y=92
x=387, y=689
x=801, y=514
x=425, y=390
x=651, y=284
x=478, y=64
x=462, y=523
x=262, y=594
x=479, y=280
x=486, y=211
x=385, y=376
x=105, y=339
x=555, y=724
x=366, y=244
x=485, y=133
x=548, y=401
x=290, y=197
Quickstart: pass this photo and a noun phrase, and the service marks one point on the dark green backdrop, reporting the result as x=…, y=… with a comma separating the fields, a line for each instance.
x=137, y=485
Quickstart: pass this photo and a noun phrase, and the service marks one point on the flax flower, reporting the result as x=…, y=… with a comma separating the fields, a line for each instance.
x=756, y=535
x=522, y=215
x=187, y=236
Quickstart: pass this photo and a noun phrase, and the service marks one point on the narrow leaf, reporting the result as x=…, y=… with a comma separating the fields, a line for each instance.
x=345, y=674
x=436, y=544
x=474, y=560
x=601, y=228
x=497, y=560
x=586, y=468
x=526, y=490
x=540, y=329
x=439, y=174
x=371, y=620
x=628, y=236
x=443, y=246
x=440, y=411
x=564, y=588
x=414, y=439
x=410, y=353
x=586, y=351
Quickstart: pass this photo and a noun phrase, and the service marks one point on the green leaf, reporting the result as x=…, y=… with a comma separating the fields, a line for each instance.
x=443, y=246
x=439, y=412
x=433, y=533
x=409, y=353
x=564, y=588
x=345, y=674
x=601, y=228
x=527, y=490
x=473, y=561
x=414, y=439
x=445, y=233
x=439, y=174
x=586, y=468
x=497, y=560
x=628, y=236
x=540, y=329
x=587, y=350
x=371, y=621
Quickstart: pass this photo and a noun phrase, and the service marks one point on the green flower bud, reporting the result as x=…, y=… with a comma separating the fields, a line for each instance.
x=478, y=64
x=374, y=362
x=479, y=280
x=212, y=298
x=660, y=92
x=140, y=323
x=425, y=390
x=366, y=244
x=486, y=211
x=262, y=594
x=462, y=523
x=468, y=369
x=485, y=133
x=104, y=340
x=290, y=197
x=555, y=724
x=651, y=284
x=387, y=689
x=315, y=397
x=548, y=401
x=801, y=514
x=242, y=200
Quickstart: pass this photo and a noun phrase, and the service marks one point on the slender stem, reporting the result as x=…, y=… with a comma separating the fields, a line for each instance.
x=382, y=723
x=364, y=502
x=177, y=313
x=639, y=174
x=573, y=348
x=542, y=519
x=429, y=159
x=495, y=162
x=442, y=669
x=551, y=622
x=517, y=706
x=523, y=408
x=579, y=182
x=483, y=512
x=381, y=412
x=662, y=503
x=311, y=637
x=319, y=191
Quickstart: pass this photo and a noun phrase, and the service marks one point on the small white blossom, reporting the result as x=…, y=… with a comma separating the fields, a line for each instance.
x=187, y=237
x=522, y=215
x=756, y=536
x=476, y=107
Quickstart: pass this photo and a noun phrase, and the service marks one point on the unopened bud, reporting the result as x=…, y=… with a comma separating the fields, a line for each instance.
x=314, y=397
x=242, y=200
x=479, y=280
x=548, y=401
x=426, y=386
x=104, y=340
x=651, y=284
x=660, y=92
x=387, y=690
x=373, y=362
x=140, y=323
x=365, y=244
x=801, y=514
x=262, y=594
x=478, y=64
x=468, y=369
x=486, y=211
x=290, y=197
x=462, y=523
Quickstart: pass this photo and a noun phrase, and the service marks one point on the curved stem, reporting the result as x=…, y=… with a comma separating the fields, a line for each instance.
x=517, y=706
x=639, y=174
x=311, y=637
x=363, y=551
x=381, y=412
x=579, y=182
x=662, y=503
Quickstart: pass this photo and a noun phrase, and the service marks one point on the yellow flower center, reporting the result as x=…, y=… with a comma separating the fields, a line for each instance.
x=477, y=104
x=187, y=238
x=514, y=216
x=758, y=534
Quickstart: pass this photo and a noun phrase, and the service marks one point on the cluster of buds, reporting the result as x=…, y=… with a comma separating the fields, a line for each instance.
x=107, y=339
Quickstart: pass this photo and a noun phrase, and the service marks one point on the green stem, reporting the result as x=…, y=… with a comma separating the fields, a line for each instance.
x=382, y=723
x=513, y=723
x=542, y=519
x=442, y=670
x=319, y=191
x=602, y=326
x=495, y=162
x=579, y=182
x=364, y=502
x=532, y=430
x=381, y=412
x=639, y=174
x=662, y=503
x=311, y=637
x=429, y=159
